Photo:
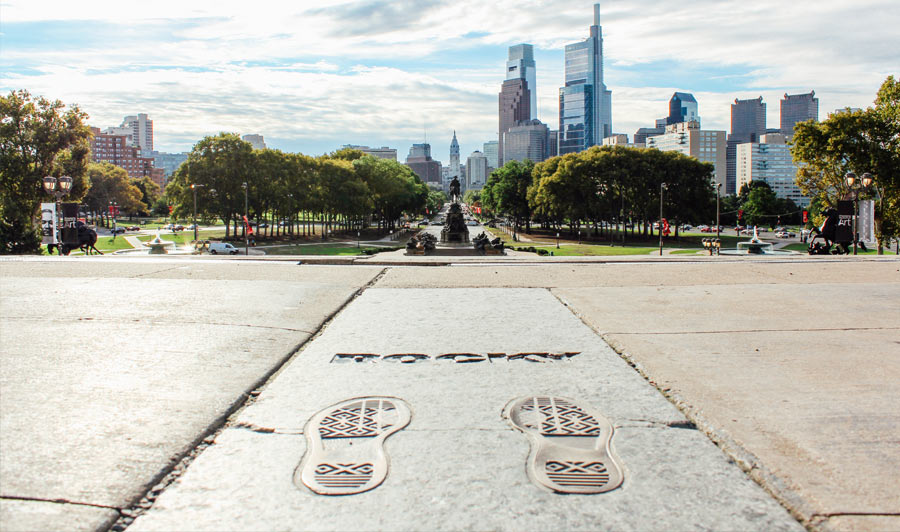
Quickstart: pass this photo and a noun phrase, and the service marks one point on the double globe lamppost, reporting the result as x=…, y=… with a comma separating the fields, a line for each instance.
x=857, y=185
x=58, y=187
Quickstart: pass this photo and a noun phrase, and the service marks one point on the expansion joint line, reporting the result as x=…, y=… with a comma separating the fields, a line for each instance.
x=58, y=501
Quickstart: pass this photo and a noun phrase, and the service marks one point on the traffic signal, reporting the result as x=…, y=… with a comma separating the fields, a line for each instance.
x=805, y=216
x=740, y=214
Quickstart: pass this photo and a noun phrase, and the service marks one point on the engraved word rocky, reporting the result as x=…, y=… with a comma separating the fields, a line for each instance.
x=458, y=358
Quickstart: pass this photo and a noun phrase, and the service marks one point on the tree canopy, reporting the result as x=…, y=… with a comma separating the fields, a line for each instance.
x=38, y=137
x=855, y=141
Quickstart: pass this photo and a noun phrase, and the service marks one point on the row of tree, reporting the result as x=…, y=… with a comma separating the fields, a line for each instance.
x=602, y=184
x=344, y=190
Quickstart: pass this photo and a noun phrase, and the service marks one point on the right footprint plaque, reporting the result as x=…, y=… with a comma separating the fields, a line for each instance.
x=570, y=444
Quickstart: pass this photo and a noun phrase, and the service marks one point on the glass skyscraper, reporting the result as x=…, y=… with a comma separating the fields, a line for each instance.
x=585, y=106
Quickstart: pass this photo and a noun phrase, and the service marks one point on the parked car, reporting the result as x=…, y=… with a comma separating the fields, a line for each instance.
x=263, y=225
x=134, y=228
x=785, y=234
x=222, y=247
x=686, y=227
x=117, y=230
x=472, y=222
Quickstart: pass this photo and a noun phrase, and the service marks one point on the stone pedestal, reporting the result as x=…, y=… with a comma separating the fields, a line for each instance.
x=455, y=229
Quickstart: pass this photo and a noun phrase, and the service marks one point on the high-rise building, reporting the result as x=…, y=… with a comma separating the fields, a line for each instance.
x=117, y=150
x=585, y=106
x=553, y=143
x=141, y=129
x=526, y=140
x=798, y=108
x=769, y=160
x=383, y=152
x=521, y=66
x=682, y=108
x=491, y=151
x=748, y=124
x=255, y=140
x=515, y=106
x=619, y=139
x=689, y=139
x=454, y=158
x=419, y=160
x=168, y=162
x=641, y=135
x=476, y=171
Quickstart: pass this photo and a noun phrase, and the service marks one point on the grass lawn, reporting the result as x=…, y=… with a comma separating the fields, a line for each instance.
x=685, y=252
x=321, y=249
x=182, y=238
x=585, y=250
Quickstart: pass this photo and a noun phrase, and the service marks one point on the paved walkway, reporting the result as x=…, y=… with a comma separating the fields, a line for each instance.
x=746, y=393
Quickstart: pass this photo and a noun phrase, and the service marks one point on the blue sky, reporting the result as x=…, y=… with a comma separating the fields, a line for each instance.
x=312, y=76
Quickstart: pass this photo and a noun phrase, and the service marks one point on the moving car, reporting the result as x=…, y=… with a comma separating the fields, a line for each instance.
x=134, y=228
x=785, y=234
x=117, y=230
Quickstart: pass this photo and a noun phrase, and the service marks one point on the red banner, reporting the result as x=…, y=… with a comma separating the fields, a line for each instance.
x=247, y=226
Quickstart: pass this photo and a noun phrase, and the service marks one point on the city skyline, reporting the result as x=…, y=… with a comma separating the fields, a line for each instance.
x=395, y=71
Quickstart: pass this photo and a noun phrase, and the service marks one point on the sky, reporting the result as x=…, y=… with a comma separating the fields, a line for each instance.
x=312, y=76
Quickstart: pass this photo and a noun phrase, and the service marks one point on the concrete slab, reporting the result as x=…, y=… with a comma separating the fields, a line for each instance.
x=641, y=272
x=802, y=378
x=459, y=465
x=107, y=381
x=46, y=516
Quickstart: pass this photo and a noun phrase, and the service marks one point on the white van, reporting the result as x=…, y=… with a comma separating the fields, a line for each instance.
x=222, y=247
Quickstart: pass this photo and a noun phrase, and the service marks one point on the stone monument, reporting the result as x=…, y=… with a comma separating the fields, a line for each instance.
x=455, y=229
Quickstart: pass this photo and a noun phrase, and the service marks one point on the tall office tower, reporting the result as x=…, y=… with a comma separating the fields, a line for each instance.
x=521, y=65
x=689, y=139
x=515, y=106
x=420, y=162
x=491, y=152
x=142, y=130
x=642, y=134
x=454, y=157
x=526, y=140
x=770, y=160
x=585, y=106
x=798, y=108
x=748, y=124
x=476, y=171
x=682, y=108
x=255, y=140
x=553, y=143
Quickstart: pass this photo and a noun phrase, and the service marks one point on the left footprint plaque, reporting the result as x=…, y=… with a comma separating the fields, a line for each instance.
x=345, y=445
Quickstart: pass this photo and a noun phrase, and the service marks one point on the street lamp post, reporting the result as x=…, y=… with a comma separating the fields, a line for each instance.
x=357, y=240
x=246, y=222
x=194, y=188
x=856, y=187
x=64, y=185
x=662, y=188
x=718, y=192
x=557, y=240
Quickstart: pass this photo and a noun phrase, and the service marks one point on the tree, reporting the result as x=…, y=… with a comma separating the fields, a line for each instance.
x=38, y=137
x=435, y=200
x=150, y=193
x=508, y=191
x=110, y=183
x=221, y=164
x=857, y=141
x=761, y=205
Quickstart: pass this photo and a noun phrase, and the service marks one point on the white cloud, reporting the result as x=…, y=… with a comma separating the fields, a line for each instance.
x=371, y=72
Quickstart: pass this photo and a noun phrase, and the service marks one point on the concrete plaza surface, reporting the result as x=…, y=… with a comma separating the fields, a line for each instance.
x=113, y=369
